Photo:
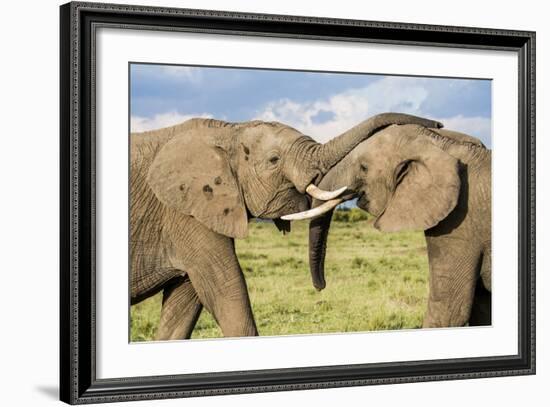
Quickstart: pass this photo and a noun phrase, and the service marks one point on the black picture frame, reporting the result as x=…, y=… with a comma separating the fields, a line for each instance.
x=78, y=382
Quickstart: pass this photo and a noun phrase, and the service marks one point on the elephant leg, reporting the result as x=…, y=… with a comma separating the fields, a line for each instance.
x=211, y=263
x=181, y=309
x=486, y=268
x=454, y=272
x=481, y=308
x=227, y=300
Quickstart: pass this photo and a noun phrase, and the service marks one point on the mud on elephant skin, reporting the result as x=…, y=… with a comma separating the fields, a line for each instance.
x=193, y=188
x=415, y=178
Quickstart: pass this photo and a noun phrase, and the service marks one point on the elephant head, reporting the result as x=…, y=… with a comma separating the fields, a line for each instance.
x=224, y=173
x=401, y=175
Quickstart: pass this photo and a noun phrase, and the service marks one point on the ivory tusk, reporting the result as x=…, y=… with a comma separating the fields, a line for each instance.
x=323, y=195
x=312, y=213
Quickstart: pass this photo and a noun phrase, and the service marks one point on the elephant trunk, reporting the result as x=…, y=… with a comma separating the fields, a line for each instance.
x=319, y=227
x=320, y=158
x=318, y=233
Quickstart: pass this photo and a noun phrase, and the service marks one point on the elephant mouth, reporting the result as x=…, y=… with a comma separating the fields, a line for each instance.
x=362, y=200
x=282, y=225
x=286, y=200
x=289, y=204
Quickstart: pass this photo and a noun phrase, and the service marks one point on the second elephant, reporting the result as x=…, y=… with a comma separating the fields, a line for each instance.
x=411, y=177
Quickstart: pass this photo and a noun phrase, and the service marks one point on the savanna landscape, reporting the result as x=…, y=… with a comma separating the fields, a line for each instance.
x=375, y=281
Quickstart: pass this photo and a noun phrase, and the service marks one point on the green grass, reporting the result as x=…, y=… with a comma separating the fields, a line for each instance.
x=375, y=281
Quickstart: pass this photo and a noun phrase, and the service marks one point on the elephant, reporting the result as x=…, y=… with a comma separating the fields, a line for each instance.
x=411, y=177
x=194, y=187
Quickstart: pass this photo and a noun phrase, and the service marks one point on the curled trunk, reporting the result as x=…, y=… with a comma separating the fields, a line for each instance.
x=320, y=158
x=331, y=153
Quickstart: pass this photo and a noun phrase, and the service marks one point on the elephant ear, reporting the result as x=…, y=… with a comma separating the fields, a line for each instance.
x=191, y=174
x=427, y=190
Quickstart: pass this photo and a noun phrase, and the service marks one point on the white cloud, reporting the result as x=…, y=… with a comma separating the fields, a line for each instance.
x=139, y=123
x=349, y=107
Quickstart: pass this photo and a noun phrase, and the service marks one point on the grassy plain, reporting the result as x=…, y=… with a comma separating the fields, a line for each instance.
x=375, y=281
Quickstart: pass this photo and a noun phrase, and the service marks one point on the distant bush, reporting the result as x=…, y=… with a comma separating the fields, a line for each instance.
x=349, y=215
x=356, y=215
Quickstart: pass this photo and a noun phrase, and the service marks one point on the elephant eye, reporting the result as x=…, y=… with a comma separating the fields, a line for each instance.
x=364, y=167
x=274, y=160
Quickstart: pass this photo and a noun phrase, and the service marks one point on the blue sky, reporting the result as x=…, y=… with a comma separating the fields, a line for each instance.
x=321, y=105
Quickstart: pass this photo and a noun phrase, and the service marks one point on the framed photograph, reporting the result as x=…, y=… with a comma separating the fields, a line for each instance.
x=255, y=203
